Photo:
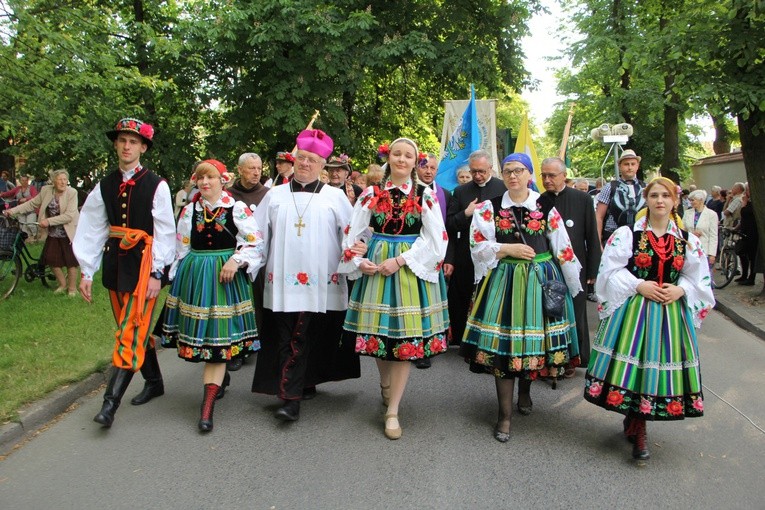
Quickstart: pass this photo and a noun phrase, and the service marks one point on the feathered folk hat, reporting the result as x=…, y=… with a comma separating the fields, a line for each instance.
x=135, y=126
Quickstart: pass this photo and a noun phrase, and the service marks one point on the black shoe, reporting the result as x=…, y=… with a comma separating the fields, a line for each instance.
x=748, y=283
x=309, y=392
x=150, y=390
x=741, y=279
x=235, y=364
x=290, y=411
x=153, y=387
x=422, y=363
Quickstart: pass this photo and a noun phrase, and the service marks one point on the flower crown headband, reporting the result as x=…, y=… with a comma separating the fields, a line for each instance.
x=383, y=151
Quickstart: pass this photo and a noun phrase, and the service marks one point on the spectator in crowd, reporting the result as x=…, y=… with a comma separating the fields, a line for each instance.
x=621, y=199
x=518, y=241
x=21, y=194
x=654, y=289
x=463, y=175
x=702, y=222
x=339, y=168
x=397, y=312
x=716, y=201
x=598, y=186
x=5, y=183
x=181, y=197
x=57, y=203
x=732, y=210
x=128, y=221
x=458, y=265
x=746, y=248
x=375, y=175
x=285, y=168
x=209, y=307
x=582, y=185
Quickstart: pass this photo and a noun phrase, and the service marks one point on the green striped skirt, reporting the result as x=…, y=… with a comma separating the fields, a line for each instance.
x=212, y=321
x=507, y=333
x=398, y=317
x=645, y=361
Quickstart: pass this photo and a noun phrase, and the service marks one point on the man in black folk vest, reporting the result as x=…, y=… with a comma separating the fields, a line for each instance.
x=127, y=220
x=620, y=200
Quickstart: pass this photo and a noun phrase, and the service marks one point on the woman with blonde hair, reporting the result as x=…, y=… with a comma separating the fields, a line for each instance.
x=57, y=204
x=653, y=290
x=397, y=309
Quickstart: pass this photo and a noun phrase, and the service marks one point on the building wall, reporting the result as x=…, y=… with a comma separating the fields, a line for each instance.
x=721, y=170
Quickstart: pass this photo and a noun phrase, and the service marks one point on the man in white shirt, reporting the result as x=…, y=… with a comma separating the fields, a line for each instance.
x=136, y=242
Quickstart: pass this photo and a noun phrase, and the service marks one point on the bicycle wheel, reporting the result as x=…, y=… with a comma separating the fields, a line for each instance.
x=10, y=272
x=728, y=264
x=46, y=275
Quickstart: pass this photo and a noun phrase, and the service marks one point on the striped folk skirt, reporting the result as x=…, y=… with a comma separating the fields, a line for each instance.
x=212, y=321
x=645, y=361
x=398, y=317
x=507, y=333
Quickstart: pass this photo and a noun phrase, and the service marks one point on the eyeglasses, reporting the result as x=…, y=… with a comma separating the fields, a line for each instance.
x=518, y=171
x=310, y=159
x=478, y=171
x=550, y=176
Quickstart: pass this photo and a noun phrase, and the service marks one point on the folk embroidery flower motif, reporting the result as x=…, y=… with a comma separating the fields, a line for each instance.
x=595, y=389
x=675, y=408
x=614, y=398
x=566, y=255
x=643, y=260
x=302, y=279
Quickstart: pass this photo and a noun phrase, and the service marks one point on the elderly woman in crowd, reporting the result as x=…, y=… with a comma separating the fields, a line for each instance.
x=518, y=243
x=702, y=222
x=21, y=194
x=57, y=203
x=463, y=175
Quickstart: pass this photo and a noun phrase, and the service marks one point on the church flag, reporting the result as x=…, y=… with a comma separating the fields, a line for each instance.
x=465, y=139
x=525, y=145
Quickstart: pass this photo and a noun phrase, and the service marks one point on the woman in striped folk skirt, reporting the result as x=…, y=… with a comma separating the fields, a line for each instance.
x=653, y=289
x=397, y=311
x=209, y=309
x=518, y=242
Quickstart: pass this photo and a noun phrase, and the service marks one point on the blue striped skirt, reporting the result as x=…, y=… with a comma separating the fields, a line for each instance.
x=645, y=361
x=398, y=317
x=507, y=333
x=212, y=321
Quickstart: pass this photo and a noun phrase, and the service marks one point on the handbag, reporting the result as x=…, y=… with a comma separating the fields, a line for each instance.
x=553, y=291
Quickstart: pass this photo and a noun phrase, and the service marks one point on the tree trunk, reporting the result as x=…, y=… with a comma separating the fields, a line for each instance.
x=752, y=133
x=721, y=145
x=671, y=160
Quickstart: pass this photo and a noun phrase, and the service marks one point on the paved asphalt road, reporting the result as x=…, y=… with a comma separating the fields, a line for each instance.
x=566, y=454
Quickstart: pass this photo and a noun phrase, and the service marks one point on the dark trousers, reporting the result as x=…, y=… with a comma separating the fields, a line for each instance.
x=460, y=295
x=582, y=328
x=293, y=345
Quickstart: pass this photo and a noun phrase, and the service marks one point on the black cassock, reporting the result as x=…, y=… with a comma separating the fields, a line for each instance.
x=576, y=209
x=461, y=282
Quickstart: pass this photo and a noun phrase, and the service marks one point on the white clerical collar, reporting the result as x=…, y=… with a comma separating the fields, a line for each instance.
x=128, y=174
x=530, y=203
x=405, y=187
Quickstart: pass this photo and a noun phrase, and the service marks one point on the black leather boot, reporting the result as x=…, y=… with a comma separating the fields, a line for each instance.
x=640, y=448
x=114, y=391
x=153, y=385
x=208, y=406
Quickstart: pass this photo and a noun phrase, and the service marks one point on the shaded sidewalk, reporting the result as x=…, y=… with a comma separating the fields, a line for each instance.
x=744, y=306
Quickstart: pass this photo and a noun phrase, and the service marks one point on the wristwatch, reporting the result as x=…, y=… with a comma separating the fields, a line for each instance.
x=157, y=274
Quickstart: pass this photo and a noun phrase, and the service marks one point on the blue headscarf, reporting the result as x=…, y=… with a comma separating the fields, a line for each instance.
x=521, y=158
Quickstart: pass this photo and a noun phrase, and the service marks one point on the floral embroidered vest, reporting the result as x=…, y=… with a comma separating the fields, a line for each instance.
x=397, y=213
x=531, y=229
x=646, y=261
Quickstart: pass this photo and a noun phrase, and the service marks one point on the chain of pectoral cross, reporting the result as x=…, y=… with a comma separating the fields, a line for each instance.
x=300, y=225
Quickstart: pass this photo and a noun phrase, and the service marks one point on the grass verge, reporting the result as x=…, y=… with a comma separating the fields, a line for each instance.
x=48, y=340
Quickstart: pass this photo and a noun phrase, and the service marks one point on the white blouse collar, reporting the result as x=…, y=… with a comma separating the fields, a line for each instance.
x=530, y=203
x=672, y=228
x=406, y=187
x=225, y=200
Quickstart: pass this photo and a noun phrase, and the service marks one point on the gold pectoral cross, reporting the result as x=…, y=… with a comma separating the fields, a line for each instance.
x=300, y=225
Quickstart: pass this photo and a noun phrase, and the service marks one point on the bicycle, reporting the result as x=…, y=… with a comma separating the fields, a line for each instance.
x=726, y=265
x=16, y=260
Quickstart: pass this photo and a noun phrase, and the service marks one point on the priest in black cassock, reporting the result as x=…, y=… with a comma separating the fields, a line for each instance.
x=578, y=213
x=458, y=264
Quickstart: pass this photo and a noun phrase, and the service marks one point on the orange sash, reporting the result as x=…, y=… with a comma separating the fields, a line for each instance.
x=129, y=238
